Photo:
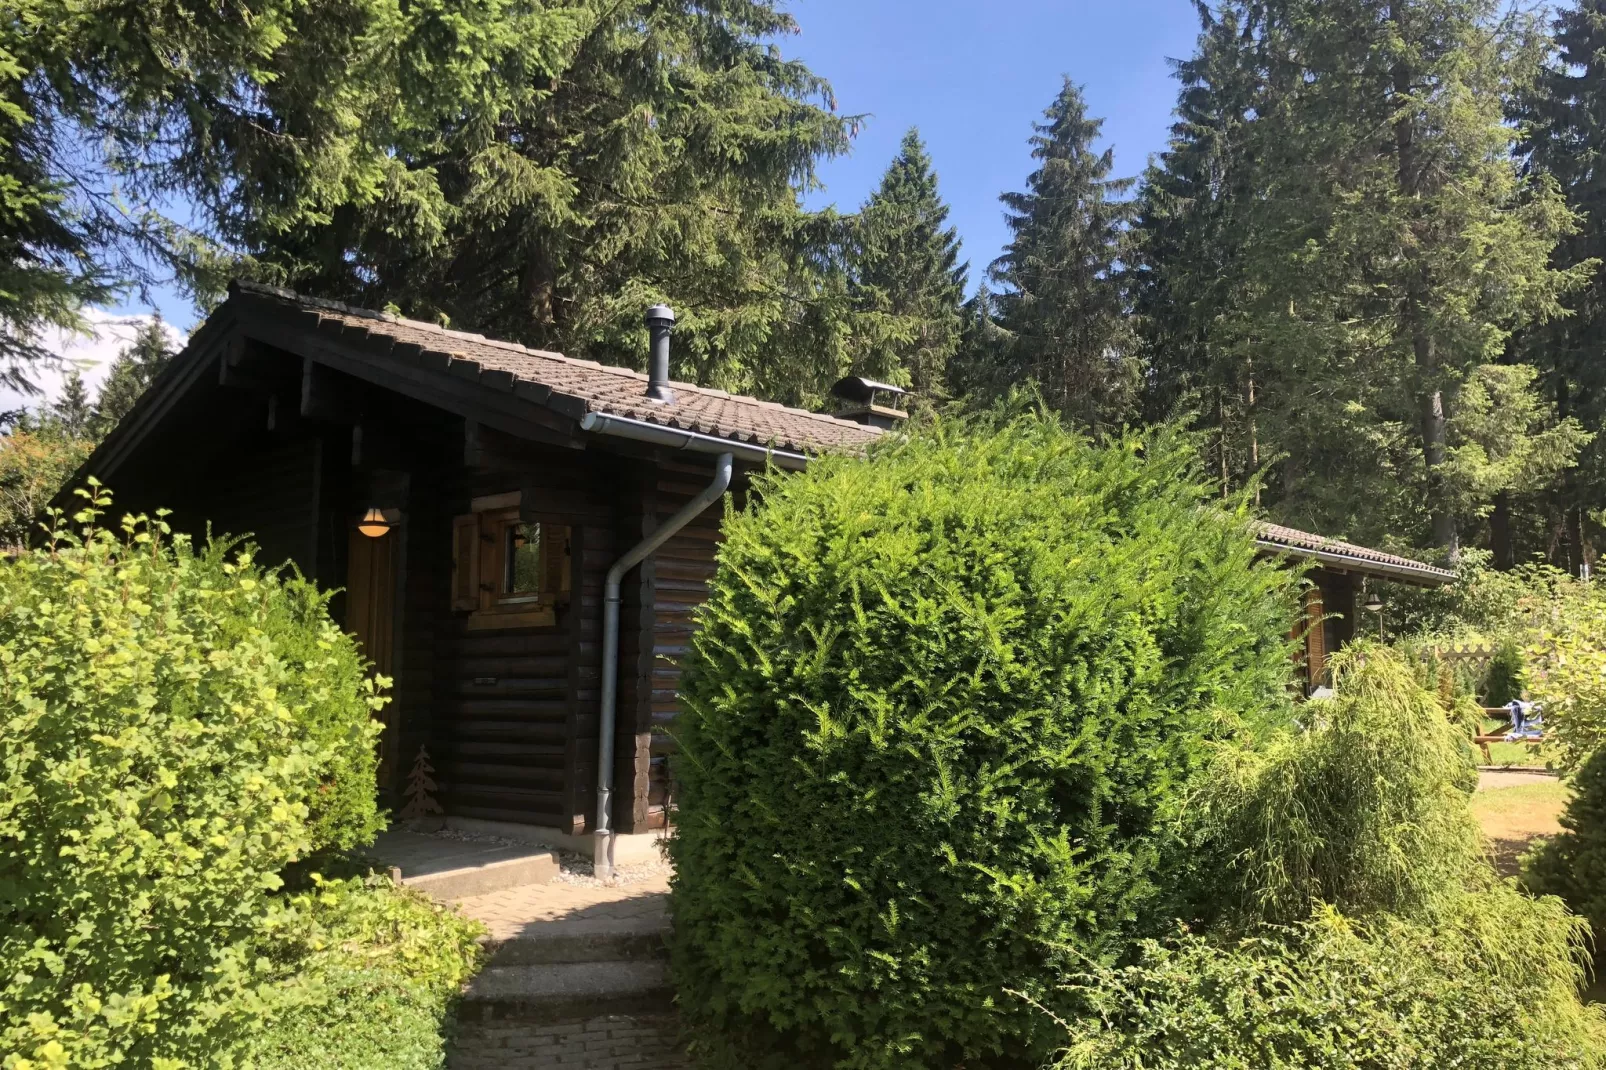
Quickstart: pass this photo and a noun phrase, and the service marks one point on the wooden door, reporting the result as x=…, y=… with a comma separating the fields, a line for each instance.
x=371, y=617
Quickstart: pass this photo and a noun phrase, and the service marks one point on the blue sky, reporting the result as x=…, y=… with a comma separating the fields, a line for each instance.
x=973, y=78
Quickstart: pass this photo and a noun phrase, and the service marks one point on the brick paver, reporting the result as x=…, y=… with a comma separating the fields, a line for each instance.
x=607, y=1043
x=508, y=913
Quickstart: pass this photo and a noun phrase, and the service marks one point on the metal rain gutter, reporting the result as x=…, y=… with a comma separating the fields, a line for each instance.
x=601, y=423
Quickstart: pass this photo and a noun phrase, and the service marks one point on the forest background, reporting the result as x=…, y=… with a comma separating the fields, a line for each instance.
x=1364, y=264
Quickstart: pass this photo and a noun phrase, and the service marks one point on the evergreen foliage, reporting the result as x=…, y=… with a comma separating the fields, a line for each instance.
x=1564, y=124
x=178, y=727
x=540, y=173
x=1365, y=808
x=134, y=370
x=906, y=279
x=1491, y=985
x=1352, y=164
x=1572, y=864
x=942, y=712
x=365, y=976
x=1060, y=300
x=1504, y=679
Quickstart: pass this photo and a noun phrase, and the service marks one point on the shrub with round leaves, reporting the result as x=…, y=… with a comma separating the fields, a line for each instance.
x=941, y=713
x=175, y=727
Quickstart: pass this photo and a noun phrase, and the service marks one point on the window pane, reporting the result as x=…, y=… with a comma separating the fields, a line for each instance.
x=523, y=559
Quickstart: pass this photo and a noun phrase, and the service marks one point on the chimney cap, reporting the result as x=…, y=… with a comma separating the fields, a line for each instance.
x=862, y=390
x=660, y=315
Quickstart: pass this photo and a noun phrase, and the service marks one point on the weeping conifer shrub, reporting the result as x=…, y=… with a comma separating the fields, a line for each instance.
x=1354, y=923
x=941, y=712
x=1364, y=805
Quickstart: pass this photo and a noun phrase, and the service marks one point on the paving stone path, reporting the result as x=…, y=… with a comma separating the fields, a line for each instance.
x=575, y=977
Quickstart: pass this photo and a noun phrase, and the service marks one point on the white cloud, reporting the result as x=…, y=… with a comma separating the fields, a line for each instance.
x=91, y=355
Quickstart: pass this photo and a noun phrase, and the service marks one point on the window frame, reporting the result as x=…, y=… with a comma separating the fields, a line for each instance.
x=479, y=585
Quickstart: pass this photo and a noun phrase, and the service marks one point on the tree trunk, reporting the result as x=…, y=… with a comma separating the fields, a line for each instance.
x=1505, y=556
x=1254, y=435
x=1221, y=442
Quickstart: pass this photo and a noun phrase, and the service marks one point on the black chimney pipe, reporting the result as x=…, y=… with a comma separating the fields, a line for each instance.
x=660, y=320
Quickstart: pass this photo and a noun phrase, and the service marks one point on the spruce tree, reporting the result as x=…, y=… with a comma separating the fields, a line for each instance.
x=1061, y=302
x=907, y=283
x=1195, y=210
x=1384, y=247
x=1564, y=122
x=71, y=413
x=662, y=160
x=136, y=366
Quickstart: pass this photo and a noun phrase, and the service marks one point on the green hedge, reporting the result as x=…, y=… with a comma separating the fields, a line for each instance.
x=175, y=728
x=942, y=710
x=369, y=974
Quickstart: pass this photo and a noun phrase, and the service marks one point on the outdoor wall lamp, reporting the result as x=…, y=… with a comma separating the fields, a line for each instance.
x=1374, y=604
x=373, y=523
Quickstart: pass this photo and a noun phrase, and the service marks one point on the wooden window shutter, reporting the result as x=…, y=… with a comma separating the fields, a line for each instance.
x=466, y=561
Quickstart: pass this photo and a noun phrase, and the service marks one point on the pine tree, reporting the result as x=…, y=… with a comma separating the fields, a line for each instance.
x=1195, y=210
x=1061, y=300
x=136, y=366
x=1384, y=247
x=71, y=413
x=906, y=281
x=1564, y=122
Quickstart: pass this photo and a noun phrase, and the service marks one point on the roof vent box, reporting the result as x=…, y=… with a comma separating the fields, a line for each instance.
x=865, y=401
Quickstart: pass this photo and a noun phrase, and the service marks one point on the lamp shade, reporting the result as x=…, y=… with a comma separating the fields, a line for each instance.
x=373, y=523
x=1374, y=604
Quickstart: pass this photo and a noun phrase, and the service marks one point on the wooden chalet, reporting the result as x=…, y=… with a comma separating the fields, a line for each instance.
x=478, y=503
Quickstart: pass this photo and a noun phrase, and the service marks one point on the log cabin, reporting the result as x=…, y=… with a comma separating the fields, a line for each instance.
x=518, y=539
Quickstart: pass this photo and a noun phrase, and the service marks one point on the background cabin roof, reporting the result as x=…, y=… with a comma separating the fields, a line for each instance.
x=573, y=387
x=1291, y=542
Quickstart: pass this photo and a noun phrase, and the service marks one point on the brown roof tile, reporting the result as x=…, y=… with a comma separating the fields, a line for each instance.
x=592, y=387
x=1282, y=539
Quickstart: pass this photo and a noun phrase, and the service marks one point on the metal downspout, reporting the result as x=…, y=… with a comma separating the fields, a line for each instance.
x=602, y=858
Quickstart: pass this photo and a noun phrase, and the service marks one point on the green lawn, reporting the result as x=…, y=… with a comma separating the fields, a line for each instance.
x=1512, y=754
x=1512, y=817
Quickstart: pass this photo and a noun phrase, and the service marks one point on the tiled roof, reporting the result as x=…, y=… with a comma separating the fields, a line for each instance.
x=596, y=387
x=1280, y=539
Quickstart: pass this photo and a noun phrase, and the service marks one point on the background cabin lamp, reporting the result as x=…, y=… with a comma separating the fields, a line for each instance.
x=374, y=524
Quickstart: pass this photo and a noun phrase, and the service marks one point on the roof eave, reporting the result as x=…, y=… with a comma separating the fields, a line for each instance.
x=1418, y=575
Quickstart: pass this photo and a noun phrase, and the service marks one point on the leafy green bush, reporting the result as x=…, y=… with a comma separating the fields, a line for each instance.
x=1365, y=807
x=370, y=973
x=175, y=728
x=942, y=710
x=1490, y=984
x=1572, y=865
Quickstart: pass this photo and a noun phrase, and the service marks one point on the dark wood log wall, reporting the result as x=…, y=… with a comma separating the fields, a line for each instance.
x=509, y=716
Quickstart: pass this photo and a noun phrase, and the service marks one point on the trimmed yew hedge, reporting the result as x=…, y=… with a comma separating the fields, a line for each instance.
x=942, y=710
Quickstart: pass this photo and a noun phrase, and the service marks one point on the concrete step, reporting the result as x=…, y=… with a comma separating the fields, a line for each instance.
x=567, y=990
x=447, y=869
x=610, y=940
